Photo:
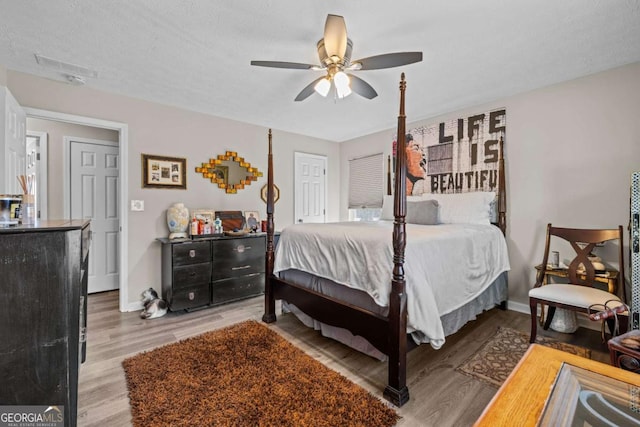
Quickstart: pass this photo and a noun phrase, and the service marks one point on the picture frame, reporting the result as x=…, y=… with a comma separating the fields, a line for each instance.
x=252, y=220
x=204, y=214
x=164, y=172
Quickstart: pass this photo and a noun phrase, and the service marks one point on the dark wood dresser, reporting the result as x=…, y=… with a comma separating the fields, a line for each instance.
x=43, y=271
x=212, y=270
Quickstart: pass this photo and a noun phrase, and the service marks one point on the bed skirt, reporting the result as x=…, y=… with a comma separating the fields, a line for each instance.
x=452, y=322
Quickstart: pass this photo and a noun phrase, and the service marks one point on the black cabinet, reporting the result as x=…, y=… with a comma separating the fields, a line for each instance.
x=186, y=274
x=43, y=276
x=212, y=271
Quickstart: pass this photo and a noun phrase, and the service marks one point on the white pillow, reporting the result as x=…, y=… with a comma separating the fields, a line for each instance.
x=464, y=208
x=387, y=206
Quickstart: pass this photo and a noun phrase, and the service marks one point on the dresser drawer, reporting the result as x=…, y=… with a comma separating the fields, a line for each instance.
x=190, y=275
x=186, y=298
x=238, y=257
x=191, y=253
x=234, y=289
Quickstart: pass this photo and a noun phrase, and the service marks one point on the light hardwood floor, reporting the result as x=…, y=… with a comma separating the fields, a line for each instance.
x=439, y=395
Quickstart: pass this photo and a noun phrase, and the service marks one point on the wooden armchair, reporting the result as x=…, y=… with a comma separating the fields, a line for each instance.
x=580, y=293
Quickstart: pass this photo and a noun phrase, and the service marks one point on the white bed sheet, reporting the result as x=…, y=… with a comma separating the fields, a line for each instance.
x=446, y=265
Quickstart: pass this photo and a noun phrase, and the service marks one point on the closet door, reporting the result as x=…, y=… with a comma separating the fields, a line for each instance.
x=13, y=143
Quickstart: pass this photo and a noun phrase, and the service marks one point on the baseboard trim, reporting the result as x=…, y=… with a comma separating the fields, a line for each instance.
x=133, y=306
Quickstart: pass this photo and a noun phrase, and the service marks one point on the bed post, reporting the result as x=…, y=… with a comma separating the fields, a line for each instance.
x=396, y=391
x=502, y=188
x=269, y=315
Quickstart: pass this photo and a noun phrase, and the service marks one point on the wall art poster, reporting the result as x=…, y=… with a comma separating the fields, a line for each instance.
x=455, y=156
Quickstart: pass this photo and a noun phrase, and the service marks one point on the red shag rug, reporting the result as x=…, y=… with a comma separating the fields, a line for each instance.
x=244, y=375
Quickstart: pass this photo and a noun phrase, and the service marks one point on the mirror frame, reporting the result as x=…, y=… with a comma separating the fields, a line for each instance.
x=206, y=170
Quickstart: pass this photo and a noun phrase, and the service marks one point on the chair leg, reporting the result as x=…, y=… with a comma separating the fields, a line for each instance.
x=533, y=306
x=611, y=323
x=550, y=312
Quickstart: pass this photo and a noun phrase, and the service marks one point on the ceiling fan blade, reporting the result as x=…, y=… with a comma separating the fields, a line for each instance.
x=279, y=64
x=388, y=60
x=335, y=36
x=308, y=90
x=362, y=88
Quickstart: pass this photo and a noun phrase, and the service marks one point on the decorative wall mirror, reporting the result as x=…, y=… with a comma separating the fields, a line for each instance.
x=229, y=171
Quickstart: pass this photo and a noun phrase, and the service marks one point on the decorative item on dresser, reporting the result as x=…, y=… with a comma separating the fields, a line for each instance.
x=212, y=270
x=44, y=270
x=178, y=221
x=252, y=220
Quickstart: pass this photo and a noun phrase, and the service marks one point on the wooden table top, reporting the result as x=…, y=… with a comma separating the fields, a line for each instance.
x=522, y=397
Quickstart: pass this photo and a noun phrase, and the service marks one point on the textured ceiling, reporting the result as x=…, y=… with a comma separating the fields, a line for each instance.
x=195, y=54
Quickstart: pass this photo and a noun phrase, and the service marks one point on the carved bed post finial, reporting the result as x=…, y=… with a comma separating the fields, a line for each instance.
x=269, y=298
x=502, y=188
x=396, y=390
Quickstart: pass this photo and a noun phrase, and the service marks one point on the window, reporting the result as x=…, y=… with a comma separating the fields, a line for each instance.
x=365, y=188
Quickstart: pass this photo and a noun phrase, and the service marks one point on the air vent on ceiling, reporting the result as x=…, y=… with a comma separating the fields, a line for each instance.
x=65, y=67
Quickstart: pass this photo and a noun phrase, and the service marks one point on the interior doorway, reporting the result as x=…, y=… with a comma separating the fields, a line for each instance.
x=37, y=155
x=310, y=184
x=122, y=186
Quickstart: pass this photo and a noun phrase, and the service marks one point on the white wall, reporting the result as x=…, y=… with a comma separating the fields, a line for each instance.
x=169, y=131
x=569, y=150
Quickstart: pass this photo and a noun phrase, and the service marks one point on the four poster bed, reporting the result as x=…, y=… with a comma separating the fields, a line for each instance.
x=329, y=274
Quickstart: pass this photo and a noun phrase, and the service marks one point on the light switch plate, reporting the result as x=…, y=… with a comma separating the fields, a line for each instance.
x=137, y=205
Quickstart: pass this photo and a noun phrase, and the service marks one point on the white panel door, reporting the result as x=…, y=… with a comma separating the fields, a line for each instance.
x=310, y=184
x=14, y=144
x=94, y=195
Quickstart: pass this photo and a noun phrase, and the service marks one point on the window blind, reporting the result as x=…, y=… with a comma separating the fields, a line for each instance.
x=366, y=182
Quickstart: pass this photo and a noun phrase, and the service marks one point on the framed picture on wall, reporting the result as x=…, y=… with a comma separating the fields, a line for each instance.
x=164, y=172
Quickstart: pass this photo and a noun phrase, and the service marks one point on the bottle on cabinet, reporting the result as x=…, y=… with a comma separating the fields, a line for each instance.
x=194, y=226
x=207, y=227
x=217, y=225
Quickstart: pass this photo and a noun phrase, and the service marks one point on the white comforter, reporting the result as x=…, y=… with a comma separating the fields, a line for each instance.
x=446, y=265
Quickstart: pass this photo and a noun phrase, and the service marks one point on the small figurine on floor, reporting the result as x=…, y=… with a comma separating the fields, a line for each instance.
x=153, y=305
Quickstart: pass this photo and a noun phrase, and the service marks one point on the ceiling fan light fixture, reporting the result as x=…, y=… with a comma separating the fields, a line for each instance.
x=322, y=87
x=334, y=51
x=341, y=80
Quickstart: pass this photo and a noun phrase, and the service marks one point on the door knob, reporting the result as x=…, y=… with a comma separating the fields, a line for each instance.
x=300, y=220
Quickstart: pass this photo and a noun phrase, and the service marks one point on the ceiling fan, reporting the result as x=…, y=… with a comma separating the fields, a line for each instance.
x=334, y=50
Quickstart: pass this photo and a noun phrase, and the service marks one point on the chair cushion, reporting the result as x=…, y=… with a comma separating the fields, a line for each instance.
x=575, y=295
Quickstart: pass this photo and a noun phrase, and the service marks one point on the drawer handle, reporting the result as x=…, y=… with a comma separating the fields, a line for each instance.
x=192, y=274
x=244, y=267
x=191, y=296
x=241, y=248
x=192, y=253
